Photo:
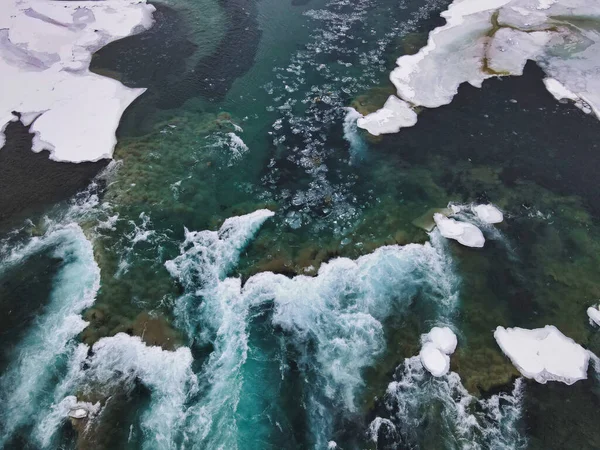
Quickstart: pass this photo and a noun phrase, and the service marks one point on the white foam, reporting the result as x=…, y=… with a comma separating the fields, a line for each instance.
x=463, y=232
x=118, y=362
x=394, y=115
x=214, y=312
x=419, y=404
x=50, y=338
x=488, y=213
x=357, y=145
x=207, y=256
x=462, y=51
x=237, y=146
x=594, y=314
x=544, y=354
x=338, y=315
x=342, y=308
x=45, y=52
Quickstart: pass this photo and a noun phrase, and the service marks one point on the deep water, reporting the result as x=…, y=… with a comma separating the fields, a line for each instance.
x=246, y=274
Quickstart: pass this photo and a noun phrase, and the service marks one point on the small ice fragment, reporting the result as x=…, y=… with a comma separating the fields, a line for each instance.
x=594, y=315
x=465, y=233
x=437, y=345
x=544, y=354
x=488, y=213
x=434, y=360
x=455, y=208
x=78, y=413
x=443, y=338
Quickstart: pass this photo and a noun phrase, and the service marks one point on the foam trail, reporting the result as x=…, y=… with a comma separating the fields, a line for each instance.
x=335, y=319
x=118, y=362
x=23, y=388
x=338, y=313
x=420, y=405
x=358, y=148
x=206, y=258
x=213, y=311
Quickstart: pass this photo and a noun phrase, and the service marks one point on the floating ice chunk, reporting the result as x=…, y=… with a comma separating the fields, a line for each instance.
x=488, y=213
x=443, y=338
x=465, y=233
x=78, y=413
x=437, y=345
x=544, y=354
x=45, y=52
x=594, y=314
x=434, y=360
x=394, y=115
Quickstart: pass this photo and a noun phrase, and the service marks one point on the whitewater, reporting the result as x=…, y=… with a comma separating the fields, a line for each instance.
x=318, y=259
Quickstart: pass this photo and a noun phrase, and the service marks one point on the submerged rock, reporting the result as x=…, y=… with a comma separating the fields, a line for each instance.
x=426, y=222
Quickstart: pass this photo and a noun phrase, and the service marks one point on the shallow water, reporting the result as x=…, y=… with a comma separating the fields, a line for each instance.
x=169, y=295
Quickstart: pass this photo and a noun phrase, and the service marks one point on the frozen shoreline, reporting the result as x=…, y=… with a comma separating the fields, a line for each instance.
x=45, y=53
x=489, y=38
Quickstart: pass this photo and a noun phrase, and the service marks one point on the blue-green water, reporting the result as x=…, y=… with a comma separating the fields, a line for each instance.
x=214, y=323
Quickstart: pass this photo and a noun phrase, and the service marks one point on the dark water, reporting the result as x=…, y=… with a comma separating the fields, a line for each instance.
x=246, y=110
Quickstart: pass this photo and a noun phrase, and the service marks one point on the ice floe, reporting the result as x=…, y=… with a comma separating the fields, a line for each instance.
x=394, y=115
x=488, y=213
x=594, y=314
x=45, y=51
x=544, y=354
x=483, y=39
x=438, y=344
x=465, y=233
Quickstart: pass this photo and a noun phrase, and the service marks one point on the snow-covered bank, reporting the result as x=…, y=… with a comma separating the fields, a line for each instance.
x=45, y=53
x=488, y=38
x=544, y=354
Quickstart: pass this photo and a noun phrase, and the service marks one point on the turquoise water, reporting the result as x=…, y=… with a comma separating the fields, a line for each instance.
x=248, y=268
